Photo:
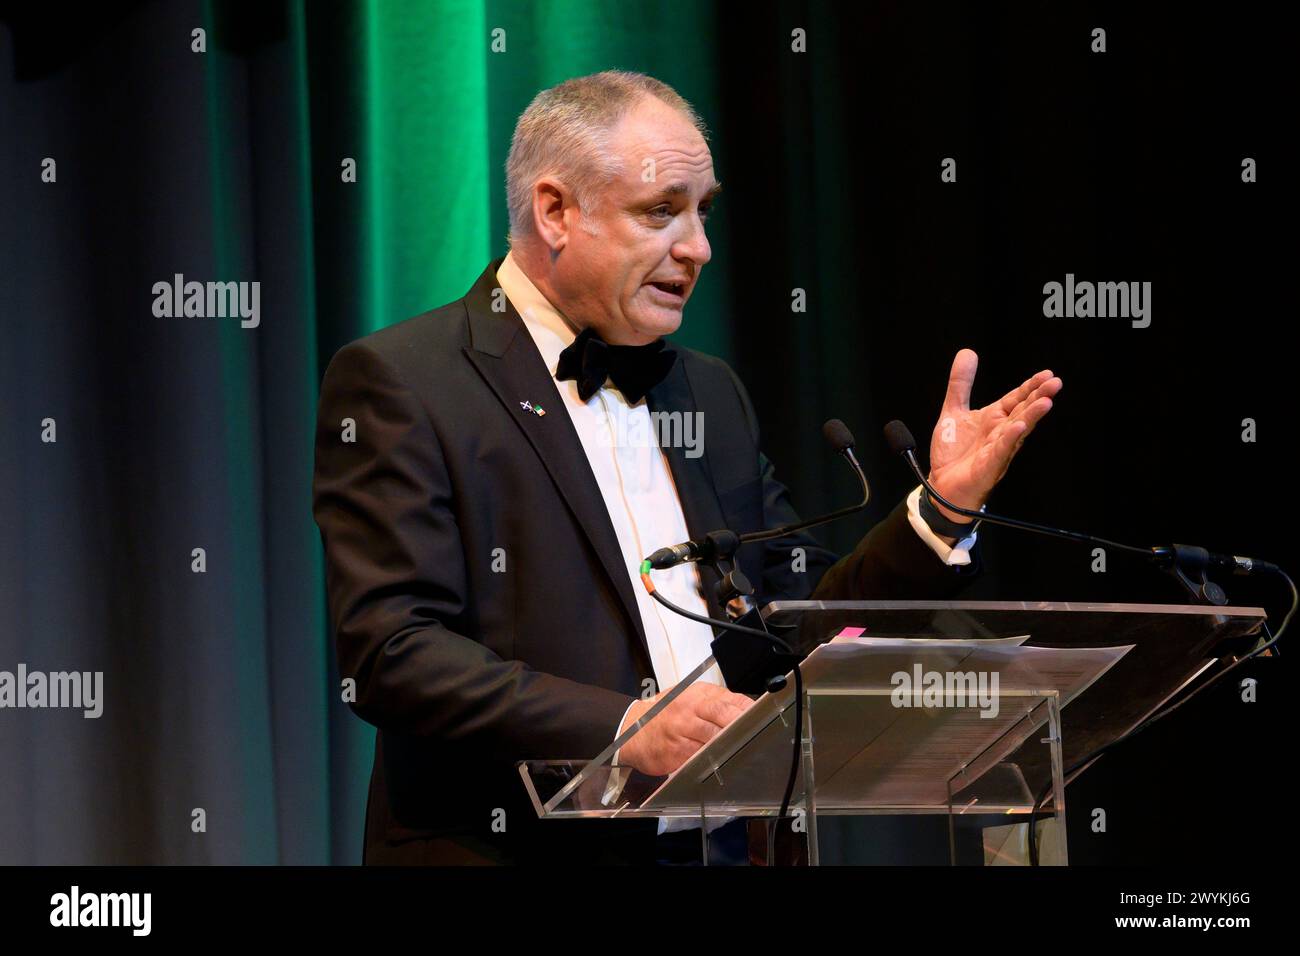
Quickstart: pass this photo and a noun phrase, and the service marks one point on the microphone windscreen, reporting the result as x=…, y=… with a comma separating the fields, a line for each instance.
x=837, y=435
x=899, y=437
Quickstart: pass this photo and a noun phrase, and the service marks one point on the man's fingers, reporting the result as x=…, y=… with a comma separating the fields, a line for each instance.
x=961, y=379
x=1007, y=442
x=1017, y=396
x=1031, y=414
x=1045, y=389
x=1010, y=435
x=718, y=692
x=695, y=728
x=722, y=710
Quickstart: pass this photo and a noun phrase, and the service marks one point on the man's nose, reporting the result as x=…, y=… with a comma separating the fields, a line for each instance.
x=694, y=246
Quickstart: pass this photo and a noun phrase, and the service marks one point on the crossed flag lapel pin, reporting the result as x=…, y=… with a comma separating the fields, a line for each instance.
x=530, y=407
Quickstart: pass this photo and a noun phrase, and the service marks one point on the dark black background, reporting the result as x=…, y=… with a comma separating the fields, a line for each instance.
x=1122, y=165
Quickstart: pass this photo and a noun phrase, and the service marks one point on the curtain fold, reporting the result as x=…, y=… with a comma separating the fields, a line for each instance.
x=222, y=698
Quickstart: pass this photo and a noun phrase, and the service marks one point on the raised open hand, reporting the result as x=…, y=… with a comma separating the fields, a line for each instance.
x=971, y=448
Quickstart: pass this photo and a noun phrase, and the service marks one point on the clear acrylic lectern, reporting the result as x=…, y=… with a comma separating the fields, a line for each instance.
x=969, y=709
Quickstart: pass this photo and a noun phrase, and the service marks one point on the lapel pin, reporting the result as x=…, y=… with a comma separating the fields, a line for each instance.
x=535, y=409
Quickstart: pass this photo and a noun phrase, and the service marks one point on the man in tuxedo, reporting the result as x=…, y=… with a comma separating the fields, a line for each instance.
x=484, y=512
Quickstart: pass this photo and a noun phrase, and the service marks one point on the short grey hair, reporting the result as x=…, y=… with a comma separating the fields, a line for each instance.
x=565, y=133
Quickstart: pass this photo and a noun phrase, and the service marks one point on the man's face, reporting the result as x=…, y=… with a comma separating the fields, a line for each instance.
x=630, y=271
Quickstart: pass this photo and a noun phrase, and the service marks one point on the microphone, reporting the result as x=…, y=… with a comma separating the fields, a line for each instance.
x=1177, y=558
x=724, y=543
x=838, y=436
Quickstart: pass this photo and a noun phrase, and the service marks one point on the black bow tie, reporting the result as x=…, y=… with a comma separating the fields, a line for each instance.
x=635, y=369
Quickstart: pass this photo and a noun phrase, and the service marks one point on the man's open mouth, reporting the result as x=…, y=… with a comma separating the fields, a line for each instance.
x=672, y=288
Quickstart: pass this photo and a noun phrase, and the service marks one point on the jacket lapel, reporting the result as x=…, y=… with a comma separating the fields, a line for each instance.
x=503, y=352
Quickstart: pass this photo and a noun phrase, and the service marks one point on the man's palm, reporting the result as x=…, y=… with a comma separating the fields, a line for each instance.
x=971, y=448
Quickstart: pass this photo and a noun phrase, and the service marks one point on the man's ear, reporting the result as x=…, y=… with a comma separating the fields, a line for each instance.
x=552, y=206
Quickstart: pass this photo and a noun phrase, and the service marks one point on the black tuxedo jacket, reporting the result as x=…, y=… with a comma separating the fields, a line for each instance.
x=465, y=668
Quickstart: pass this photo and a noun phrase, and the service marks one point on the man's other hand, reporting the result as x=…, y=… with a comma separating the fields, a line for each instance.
x=971, y=448
x=680, y=729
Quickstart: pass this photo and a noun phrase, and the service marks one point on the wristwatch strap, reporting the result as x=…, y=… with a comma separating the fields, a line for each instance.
x=939, y=523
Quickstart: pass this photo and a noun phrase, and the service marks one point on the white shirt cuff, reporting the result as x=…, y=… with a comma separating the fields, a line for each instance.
x=622, y=720
x=617, y=775
x=958, y=553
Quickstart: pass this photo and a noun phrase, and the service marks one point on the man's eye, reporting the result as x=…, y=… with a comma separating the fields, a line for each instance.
x=661, y=212
x=704, y=212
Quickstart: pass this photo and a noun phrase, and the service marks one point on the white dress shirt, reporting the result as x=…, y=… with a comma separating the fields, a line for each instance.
x=641, y=498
